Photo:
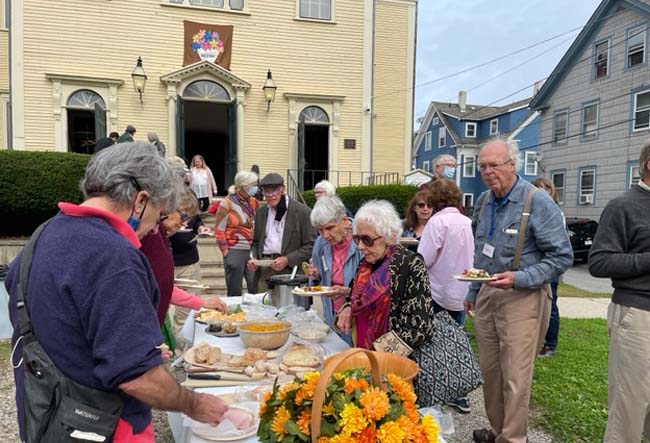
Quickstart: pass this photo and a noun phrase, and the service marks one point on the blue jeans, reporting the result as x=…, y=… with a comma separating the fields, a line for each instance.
x=554, y=322
x=459, y=316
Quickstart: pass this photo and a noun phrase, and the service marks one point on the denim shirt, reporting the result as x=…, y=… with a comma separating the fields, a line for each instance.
x=547, y=251
x=321, y=258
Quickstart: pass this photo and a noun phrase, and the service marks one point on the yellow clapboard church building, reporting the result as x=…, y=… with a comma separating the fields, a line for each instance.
x=343, y=72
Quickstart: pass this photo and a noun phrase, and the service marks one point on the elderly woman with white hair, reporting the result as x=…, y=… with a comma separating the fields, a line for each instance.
x=335, y=256
x=234, y=232
x=324, y=188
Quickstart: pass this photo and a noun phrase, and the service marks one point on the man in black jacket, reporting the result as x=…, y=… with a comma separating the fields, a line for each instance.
x=621, y=251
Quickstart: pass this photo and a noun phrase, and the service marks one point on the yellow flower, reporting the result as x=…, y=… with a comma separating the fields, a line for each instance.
x=329, y=409
x=390, y=432
x=282, y=416
x=375, y=403
x=343, y=438
x=355, y=383
x=338, y=376
x=306, y=391
x=286, y=389
x=431, y=428
x=323, y=440
x=303, y=422
x=352, y=419
x=402, y=388
x=265, y=397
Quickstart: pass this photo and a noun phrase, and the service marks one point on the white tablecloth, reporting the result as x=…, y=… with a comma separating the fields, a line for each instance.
x=195, y=332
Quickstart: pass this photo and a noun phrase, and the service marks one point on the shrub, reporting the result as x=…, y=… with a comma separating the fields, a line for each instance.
x=33, y=183
x=355, y=196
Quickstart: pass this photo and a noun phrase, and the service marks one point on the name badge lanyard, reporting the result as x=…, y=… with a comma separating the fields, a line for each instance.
x=494, y=206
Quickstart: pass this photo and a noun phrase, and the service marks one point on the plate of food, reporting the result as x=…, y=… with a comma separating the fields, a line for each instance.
x=474, y=274
x=264, y=263
x=206, y=316
x=240, y=421
x=316, y=290
x=220, y=329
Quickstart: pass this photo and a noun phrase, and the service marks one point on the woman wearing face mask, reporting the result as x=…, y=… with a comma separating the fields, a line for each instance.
x=234, y=232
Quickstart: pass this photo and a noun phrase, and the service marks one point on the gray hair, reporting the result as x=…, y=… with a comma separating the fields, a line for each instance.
x=512, y=148
x=443, y=158
x=327, y=187
x=327, y=210
x=383, y=217
x=244, y=178
x=186, y=199
x=644, y=158
x=152, y=137
x=120, y=172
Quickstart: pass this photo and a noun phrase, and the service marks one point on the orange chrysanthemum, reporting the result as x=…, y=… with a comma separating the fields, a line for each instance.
x=411, y=412
x=286, y=389
x=352, y=419
x=390, y=432
x=402, y=388
x=368, y=435
x=375, y=403
x=355, y=383
x=323, y=440
x=304, y=421
x=306, y=391
x=343, y=438
x=265, y=397
x=282, y=417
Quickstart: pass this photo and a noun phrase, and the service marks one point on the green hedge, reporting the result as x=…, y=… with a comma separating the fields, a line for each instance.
x=32, y=183
x=355, y=196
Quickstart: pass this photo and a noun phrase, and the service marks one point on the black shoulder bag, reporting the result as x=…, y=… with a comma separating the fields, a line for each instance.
x=58, y=409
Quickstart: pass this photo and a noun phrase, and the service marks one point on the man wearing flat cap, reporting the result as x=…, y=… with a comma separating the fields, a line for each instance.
x=282, y=233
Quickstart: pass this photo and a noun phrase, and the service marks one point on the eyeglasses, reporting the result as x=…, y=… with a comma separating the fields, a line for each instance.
x=493, y=166
x=184, y=217
x=423, y=205
x=365, y=239
x=272, y=191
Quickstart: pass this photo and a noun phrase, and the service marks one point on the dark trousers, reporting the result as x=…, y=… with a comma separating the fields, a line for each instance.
x=458, y=316
x=204, y=203
x=550, y=341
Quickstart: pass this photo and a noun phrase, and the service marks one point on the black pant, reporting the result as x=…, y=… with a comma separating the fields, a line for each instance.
x=204, y=203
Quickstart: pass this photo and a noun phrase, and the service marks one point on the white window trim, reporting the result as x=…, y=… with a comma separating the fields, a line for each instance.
x=442, y=131
x=627, y=48
x=563, y=174
x=529, y=154
x=632, y=175
x=609, y=58
x=468, y=160
x=226, y=7
x=332, y=19
x=634, y=111
x=584, y=135
x=4, y=124
x=582, y=193
x=426, y=166
x=496, y=127
x=563, y=140
x=427, y=141
x=471, y=200
x=435, y=121
x=467, y=125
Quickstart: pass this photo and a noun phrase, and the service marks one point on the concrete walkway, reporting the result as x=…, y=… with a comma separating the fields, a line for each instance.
x=575, y=307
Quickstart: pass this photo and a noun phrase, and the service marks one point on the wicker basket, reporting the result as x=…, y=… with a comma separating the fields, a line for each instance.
x=379, y=363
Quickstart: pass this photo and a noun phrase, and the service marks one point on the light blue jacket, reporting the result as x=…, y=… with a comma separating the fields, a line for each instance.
x=321, y=258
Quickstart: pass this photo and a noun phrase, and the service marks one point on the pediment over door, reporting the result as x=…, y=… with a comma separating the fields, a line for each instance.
x=201, y=69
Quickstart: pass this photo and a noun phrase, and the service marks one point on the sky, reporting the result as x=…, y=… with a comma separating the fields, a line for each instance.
x=454, y=35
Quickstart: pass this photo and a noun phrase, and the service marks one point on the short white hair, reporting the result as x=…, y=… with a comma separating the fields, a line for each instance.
x=382, y=216
x=443, y=158
x=244, y=178
x=512, y=149
x=326, y=186
x=327, y=210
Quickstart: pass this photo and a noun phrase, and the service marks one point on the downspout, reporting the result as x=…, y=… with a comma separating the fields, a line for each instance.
x=372, y=86
x=415, y=56
x=10, y=107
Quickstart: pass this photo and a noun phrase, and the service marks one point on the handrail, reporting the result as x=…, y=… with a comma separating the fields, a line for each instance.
x=293, y=189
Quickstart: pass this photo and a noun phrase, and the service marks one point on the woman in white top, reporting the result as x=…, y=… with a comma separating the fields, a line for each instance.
x=202, y=182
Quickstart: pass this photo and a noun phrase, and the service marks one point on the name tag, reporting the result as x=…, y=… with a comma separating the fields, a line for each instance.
x=325, y=267
x=511, y=231
x=488, y=250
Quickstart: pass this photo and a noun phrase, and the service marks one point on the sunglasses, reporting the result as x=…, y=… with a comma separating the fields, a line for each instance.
x=365, y=239
x=424, y=205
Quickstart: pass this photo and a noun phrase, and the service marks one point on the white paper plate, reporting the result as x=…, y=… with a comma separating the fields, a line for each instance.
x=215, y=434
x=464, y=278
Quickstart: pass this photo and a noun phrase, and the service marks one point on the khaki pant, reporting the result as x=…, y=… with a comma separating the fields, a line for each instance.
x=179, y=315
x=628, y=398
x=510, y=329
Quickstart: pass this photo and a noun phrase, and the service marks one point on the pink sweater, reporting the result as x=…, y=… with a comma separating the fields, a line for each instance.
x=186, y=300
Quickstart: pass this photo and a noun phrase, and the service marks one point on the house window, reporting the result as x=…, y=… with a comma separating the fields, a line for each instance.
x=636, y=46
x=587, y=186
x=233, y=5
x=469, y=166
x=601, y=62
x=210, y=3
x=530, y=168
x=470, y=130
x=590, y=122
x=494, y=126
x=435, y=121
x=560, y=127
x=317, y=9
x=442, y=137
x=634, y=176
x=641, y=110
x=468, y=200
x=427, y=141
x=558, y=179
x=426, y=166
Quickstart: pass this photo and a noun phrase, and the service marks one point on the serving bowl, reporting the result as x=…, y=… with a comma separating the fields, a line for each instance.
x=264, y=334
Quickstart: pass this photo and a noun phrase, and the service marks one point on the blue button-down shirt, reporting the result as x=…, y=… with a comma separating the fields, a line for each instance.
x=547, y=251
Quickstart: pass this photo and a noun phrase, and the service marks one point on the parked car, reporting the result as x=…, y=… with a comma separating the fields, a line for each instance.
x=581, y=234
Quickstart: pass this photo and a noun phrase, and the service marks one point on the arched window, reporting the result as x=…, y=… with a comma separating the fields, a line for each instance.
x=85, y=99
x=206, y=90
x=313, y=115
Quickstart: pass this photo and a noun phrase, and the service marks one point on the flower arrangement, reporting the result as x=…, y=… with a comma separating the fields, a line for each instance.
x=353, y=411
x=207, y=44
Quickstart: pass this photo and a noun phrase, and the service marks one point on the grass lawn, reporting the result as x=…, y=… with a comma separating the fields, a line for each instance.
x=565, y=290
x=5, y=350
x=569, y=393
